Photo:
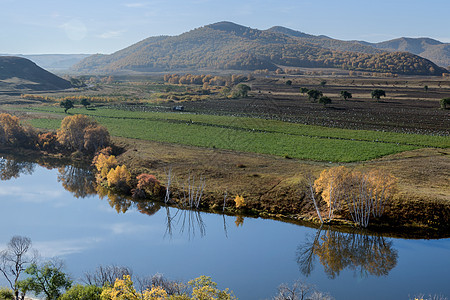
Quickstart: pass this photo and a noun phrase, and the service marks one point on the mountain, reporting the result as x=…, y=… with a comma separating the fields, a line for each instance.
x=226, y=45
x=431, y=49
x=53, y=62
x=17, y=73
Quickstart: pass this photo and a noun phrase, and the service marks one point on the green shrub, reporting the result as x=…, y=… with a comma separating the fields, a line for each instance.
x=6, y=294
x=82, y=292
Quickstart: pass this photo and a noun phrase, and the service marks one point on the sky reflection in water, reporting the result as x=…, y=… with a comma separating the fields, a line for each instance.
x=251, y=259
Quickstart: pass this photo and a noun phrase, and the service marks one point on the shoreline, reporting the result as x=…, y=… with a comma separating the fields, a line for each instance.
x=273, y=187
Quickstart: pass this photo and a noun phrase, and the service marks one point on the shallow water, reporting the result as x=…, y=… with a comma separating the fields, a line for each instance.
x=252, y=257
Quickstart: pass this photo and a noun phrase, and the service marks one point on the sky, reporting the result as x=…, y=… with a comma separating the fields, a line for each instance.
x=101, y=26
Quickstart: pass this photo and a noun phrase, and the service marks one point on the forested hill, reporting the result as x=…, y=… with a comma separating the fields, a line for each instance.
x=21, y=73
x=433, y=50
x=226, y=45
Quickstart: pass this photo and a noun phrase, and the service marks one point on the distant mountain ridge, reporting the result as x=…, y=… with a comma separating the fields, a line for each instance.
x=53, y=62
x=428, y=48
x=226, y=45
x=17, y=73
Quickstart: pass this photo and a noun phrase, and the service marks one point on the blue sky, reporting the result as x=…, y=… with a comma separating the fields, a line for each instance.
x=81, y=26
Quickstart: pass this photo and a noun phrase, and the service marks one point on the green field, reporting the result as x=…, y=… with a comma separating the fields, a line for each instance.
x=252, y=134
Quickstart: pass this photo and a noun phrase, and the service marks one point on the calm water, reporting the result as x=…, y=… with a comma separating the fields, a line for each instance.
x=251, y=256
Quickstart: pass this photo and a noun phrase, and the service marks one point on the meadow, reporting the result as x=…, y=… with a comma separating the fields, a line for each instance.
x=247, y=134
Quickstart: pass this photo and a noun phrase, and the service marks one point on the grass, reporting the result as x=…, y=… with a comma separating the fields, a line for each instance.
x=252, y=134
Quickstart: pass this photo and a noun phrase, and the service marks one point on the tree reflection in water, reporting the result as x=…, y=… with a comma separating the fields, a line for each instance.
x=78, y=181
x=189, y=222
x=363, y=253
x=13, y=169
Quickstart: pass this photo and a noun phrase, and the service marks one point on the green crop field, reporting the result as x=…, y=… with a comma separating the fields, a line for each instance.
x=252, y=134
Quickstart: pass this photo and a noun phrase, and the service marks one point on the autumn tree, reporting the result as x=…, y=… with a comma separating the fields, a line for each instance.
x=241, y=91
x=346, y=95
x=66, y=104
x=147, y=185
x=13, y=133
x=377, y=94
x=104, y=163
x=81, y=133
x=314, y=94
x=119, y=178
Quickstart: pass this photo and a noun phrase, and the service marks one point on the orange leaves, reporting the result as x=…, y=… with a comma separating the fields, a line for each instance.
x=149, y=184
x=81, y=133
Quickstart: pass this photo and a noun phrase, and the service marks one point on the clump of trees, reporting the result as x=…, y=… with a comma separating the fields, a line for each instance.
x=361, y=195
x=13, y=133
x=206, y=80
x=346, y=95
x=83, y=134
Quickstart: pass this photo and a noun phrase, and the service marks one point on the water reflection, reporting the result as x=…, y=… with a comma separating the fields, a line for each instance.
x=363, y=253
x=78, y=181
x=13, y=169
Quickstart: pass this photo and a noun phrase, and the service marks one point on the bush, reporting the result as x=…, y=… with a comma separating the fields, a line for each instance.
x=147, y=185
x=6, y=294
x=80, y=292
x=444, y=102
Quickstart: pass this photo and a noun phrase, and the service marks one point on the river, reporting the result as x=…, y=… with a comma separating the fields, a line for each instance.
x=57, y=209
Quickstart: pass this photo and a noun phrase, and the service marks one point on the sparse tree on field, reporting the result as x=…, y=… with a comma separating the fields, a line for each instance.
x=325, y=100
x=85, y=102
x=425, y=88
x=444, y=102
x=15, y=259
x=323, y=83
x=289, y=82
x=346, y=95
x=304, y=90
x=66, y=104
x=377, y=94
x=241, y=91
x=314, y=94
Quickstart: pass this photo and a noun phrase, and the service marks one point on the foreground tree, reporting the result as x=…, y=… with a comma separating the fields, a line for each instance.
x=304, y=90
x=377, y=94
x=346, y=95
x=48, y=279
x=14, y=261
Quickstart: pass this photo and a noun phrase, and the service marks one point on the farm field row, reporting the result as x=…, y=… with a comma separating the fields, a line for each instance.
x=252, y=134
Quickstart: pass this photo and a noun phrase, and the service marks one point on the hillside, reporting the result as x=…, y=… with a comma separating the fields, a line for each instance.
x=433, y=50
x=18, y=73
x=226, y=45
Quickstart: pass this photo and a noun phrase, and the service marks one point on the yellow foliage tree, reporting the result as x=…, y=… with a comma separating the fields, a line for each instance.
x=240, y=202
x=362, y=194
x=104, y=163
x=119, y=177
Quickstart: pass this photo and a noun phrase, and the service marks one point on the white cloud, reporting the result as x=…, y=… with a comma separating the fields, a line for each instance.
x=111, y=34
x=128, y=228
x=135, y=5
x=64, y=247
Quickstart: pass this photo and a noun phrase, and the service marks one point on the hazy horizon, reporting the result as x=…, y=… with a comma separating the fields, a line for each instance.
x=61, y=27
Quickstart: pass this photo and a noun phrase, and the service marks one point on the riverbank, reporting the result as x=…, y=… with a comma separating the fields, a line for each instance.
x=275, y=187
